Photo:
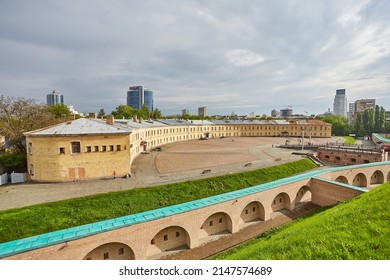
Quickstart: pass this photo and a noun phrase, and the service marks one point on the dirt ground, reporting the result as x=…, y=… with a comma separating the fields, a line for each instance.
x=175, y=162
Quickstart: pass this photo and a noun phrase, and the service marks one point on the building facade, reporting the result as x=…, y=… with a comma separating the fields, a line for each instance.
x=137, y=96
x=54, y=98
x=340, y=103
x=89, y=148
x=363, y=104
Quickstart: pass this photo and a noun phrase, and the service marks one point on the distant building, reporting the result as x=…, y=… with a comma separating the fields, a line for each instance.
x=274, y=113
x=202, y=112
x=185, y=112
x=137, y=96
x=54, y=98
x=364, y=104
x=351, y=112
x=285, y=113
x=340, y=103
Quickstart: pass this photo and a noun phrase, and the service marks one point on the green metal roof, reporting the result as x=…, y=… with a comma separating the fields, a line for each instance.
x=35, y=242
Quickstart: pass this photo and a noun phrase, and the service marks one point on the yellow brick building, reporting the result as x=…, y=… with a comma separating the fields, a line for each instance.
x=89, y=148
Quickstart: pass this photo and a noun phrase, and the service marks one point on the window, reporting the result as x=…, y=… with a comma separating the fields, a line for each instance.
x=75, y=147
x=353, y=159
x=62, y=151
x=338, y=158
x=88, y=149
x=104, y=148
x=106, y=256
x=121, y=251
x=31, y=170
x=118, y=147
x=211, y=223
x=165, y=237
x=254, y=209
x=96, y=149
x=246, y=212
x=111, y=148
x=30, y=148
x=220, y=220
x=177, y=234
x=280, y=200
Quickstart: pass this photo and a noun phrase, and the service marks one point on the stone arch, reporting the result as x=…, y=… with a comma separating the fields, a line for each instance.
x=253, y=211
x=377, y=178
x=217, y=223
x=342, y=179
x=360, y=180
x=169, y=239
x=303, y=196
x=111, y=251
x=280, y=202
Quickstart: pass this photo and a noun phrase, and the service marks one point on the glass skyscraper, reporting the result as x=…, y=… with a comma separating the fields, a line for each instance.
x=340, y=103
x=137, y=96
x=54, y=98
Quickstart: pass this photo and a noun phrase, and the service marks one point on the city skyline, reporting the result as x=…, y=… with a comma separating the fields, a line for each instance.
x=231, y=57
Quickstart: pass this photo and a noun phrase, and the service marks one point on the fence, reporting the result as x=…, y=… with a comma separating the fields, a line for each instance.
x=12, y=178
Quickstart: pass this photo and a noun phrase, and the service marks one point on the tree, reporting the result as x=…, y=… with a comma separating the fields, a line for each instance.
x=101, y=114
x=59, y=110
x=124, y=112
x=339, y=123
x=156, y=114
x=19, y=115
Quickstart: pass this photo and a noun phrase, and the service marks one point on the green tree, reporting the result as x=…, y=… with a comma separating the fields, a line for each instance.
x=358, y=126
x=124, y=112
x=101, y=114
x=156, y=114
x=339, y=124
x=59, y=110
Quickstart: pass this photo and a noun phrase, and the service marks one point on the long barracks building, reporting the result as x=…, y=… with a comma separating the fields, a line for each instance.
x=89, y=148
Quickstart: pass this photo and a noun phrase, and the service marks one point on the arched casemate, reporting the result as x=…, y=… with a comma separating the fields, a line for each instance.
x=217, y=223
x=111, y=251
x=342, y=179
x=254, y=211
x=303, y=196
x=170, y=238
x=360, y=180
x=280, y=202
x=377, y=178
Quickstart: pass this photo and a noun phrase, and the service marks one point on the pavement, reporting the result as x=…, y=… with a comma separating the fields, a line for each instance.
x=180, y=161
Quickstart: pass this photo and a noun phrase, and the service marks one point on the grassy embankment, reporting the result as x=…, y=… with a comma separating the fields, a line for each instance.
x=358, y=229
x=42, y=218
x=349, y=140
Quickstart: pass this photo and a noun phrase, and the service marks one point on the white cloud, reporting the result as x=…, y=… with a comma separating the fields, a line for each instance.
x=243, y=58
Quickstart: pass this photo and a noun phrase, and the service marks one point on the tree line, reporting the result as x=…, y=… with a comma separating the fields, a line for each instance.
x=363, y=124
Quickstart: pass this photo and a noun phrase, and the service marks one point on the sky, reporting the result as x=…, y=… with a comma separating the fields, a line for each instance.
x=239, y=56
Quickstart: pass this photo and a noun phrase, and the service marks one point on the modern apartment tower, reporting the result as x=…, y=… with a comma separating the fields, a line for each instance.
x=54, y=98
x=364, y=104
x=202, y=112
x=340, y=103
x=137, y=96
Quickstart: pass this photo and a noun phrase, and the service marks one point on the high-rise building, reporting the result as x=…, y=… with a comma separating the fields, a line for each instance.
x=285, y=113
x=54, y=98
x=351, y=112
x=185, y=112
x=363, y=104
x=137, y=96
x=340, y=103
x=202, y=112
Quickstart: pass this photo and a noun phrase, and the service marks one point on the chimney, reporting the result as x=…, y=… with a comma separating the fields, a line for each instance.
x=110, y=119
x=92, y=115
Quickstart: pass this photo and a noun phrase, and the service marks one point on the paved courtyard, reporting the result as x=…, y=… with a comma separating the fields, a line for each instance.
x=173, y=163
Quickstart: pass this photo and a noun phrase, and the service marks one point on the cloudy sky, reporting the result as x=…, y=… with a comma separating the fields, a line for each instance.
x=231, y=55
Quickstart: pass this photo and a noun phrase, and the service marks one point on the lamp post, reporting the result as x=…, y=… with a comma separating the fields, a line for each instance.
x=303, y=134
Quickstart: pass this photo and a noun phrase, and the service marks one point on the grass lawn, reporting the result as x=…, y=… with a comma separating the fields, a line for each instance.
x=358, y=229
x=43, y=218
x=349, y=140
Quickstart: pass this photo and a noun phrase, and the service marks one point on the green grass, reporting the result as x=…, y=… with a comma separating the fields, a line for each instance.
x=349, y=140
x=42, y=218
x=358, y=229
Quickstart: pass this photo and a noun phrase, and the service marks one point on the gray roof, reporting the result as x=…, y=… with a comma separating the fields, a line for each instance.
x=81, y=126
